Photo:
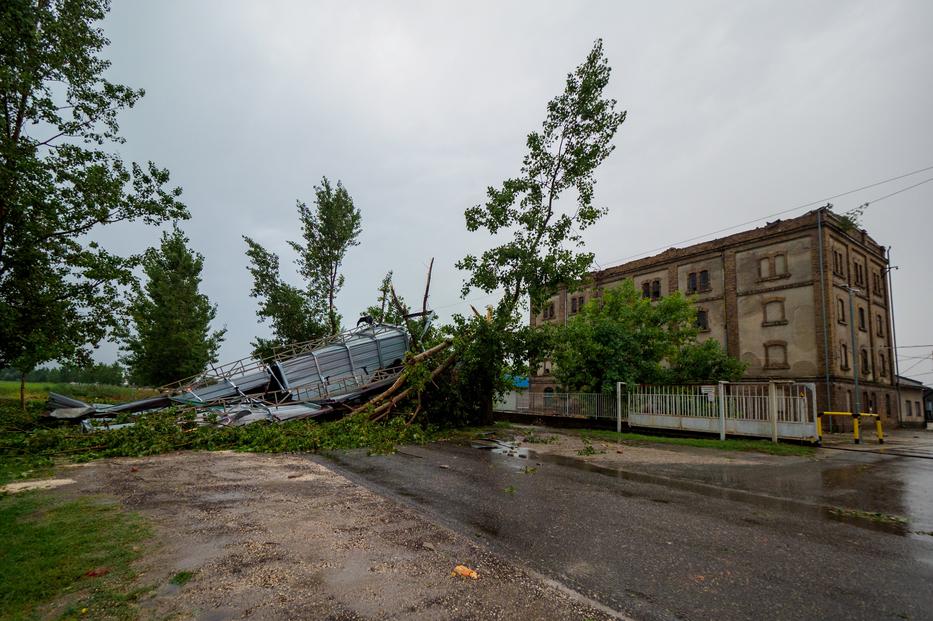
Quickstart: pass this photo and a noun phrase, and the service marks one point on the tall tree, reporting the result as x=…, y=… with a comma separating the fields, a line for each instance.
x=329, y=230
x=574, y=140
x=386, y=311
x=295, y=317
x=59, y=292
x=544, y=251
x=171, y=337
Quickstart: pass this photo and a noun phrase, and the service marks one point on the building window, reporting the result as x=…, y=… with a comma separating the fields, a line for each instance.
x=877, y=285
x=866, y=366
x=549, y=311
x=774, y=313
x=776, y=355
x=879, y=325
x=844, y=357
x=883, y=364
x=704, y=280
x=646, y=289
x=692, y=282
x=859, y=273
x=780, y=264
x=842, y=310
x=861, y=319
x=576, y=304
x=764, y=268
x=703, y=320
x=887, y=405
x=772, y=267
x=909, y=413
x=838, y=264
x=655, y=289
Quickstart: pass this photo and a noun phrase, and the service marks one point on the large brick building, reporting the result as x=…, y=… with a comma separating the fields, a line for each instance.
x=776, y=297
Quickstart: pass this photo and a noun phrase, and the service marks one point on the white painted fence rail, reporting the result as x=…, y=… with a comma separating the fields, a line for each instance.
x=768, y=409
x=572, y=404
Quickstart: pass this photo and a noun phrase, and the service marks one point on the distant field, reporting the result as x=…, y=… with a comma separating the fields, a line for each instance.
x=98, y=393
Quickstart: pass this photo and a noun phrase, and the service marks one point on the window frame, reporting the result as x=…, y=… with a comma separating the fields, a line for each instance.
x=779, y=346
x=764, y=312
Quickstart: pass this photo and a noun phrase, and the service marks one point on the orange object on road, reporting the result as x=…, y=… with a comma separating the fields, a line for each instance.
x=466, y=572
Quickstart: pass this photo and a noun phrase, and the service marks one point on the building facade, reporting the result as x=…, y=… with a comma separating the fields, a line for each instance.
x=778, y=298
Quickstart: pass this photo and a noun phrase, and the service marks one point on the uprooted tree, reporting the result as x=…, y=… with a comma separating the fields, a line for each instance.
x=545, y=252
x=60, y=292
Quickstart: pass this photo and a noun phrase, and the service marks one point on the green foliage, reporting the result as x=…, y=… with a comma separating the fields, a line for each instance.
x=574, y=140
x=704, y=362
x=182, y=578
x=172, y=339
x=295, y=317
x=543, y=252
x=329, y=230
x=59, y=292
x=95, y=373
x=533, y=438
x=161, y=432
x=624, y=337
x=385, y=312
x=38, y=392
x=48, y=547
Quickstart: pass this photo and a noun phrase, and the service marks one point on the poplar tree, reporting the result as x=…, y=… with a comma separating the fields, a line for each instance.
x=171, y=336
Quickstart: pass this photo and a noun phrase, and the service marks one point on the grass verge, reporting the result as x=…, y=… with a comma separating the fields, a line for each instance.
x=96, y=393
x=754, y=446
x=80, y=550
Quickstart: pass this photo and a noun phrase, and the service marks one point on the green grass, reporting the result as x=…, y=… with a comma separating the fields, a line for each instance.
x=182, y=578
x=755, y=446
x=96, y=393
x=50, y=545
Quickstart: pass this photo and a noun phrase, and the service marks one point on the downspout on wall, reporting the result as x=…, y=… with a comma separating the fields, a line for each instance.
x=826, y=354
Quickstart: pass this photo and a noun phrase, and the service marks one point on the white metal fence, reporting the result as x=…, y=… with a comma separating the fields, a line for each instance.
x=573, y=404
x=764, y=409
x=772, y=409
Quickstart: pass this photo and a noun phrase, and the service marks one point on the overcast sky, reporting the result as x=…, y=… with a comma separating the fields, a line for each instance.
x=736, y=110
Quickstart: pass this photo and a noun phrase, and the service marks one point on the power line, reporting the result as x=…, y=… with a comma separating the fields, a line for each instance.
x=779, y=213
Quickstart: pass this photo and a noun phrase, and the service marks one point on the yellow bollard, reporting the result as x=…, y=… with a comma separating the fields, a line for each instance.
x=855, y=428
x=880, y=431
x=819, y=429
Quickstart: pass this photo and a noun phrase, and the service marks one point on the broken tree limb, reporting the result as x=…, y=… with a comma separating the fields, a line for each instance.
x=402, y=376
x=427, y=289
x=385, y=408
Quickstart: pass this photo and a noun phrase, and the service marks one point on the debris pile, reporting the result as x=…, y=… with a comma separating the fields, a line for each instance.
x=338, y=374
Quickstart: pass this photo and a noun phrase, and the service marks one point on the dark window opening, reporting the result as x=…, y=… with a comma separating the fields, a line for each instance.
x=655, y=289
x=844, y=358
x=704, y=280
x=646, y=289
x=692, y=282
x=702, y=320
x=842, y=310
x=866, y=366
x=861, y=319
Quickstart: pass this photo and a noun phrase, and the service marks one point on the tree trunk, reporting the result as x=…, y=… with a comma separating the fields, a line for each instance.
x=22, y=391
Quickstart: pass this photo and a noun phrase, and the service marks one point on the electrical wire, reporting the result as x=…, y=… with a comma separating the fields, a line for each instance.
x=779, y=213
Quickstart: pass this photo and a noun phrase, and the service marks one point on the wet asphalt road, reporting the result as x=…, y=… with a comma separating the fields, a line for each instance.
x=657, y=551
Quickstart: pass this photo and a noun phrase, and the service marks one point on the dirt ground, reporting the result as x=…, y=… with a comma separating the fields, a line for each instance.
x=282, y=537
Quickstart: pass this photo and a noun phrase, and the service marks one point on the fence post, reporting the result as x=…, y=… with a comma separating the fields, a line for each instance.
x=773, y=410
x=722, y=410
x=618, y=407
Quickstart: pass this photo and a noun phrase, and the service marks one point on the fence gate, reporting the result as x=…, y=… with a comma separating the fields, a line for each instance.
x=767, y=409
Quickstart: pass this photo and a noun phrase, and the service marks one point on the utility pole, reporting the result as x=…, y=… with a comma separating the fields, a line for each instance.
x=894, y=352
x=856, y=357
